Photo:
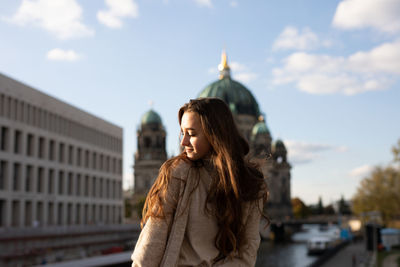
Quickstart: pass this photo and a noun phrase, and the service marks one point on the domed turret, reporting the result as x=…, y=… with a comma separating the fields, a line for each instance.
x=151, y=117
x=260, y=128
x=151, y=151
x=260, y=140
x=279, y=151
x=151, y=137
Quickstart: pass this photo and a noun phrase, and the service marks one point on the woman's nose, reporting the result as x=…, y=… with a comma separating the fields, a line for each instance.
x=185, y=140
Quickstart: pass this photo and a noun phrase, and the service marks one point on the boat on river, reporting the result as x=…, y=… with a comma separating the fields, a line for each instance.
x=320, y=244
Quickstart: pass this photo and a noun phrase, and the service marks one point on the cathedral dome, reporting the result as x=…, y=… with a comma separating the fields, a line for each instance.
x=279, y=149
x=279, y=144
x=151, y=117
x=239, y=99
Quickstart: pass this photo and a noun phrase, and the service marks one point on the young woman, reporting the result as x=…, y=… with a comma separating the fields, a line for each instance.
x=204, y=208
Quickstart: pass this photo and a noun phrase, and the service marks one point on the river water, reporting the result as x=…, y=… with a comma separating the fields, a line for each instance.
x=291, y=254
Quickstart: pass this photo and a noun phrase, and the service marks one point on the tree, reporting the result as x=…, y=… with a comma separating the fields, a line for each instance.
x=139, y=206
x=396, y=152
x=320, y=206
x=344, y=207
x=380, y=191
x=128, y=208
x=329, y=210
x=300, y=210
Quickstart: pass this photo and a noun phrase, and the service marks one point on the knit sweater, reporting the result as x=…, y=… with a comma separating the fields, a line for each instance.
x=186, y=237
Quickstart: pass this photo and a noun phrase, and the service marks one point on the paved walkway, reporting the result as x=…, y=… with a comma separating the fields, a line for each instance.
x=353, y=255
x=391, y=260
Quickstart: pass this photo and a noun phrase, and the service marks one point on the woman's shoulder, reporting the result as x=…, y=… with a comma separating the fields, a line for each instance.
x=177, y=166
x=181, y=168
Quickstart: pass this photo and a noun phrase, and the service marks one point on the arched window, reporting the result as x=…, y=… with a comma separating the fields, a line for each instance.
x=147, y=142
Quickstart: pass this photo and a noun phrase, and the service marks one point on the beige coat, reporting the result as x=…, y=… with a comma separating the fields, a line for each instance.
x=187, y=239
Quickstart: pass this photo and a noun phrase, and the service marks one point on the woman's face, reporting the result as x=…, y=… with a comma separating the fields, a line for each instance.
x=193, y=139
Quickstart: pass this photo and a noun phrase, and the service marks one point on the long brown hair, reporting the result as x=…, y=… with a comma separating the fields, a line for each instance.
x=237, y=179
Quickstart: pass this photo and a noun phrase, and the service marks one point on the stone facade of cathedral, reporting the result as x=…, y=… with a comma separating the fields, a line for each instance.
x=150, y=153
x=271, y=155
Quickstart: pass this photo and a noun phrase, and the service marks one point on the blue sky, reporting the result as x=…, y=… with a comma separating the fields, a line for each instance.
x=325, y=73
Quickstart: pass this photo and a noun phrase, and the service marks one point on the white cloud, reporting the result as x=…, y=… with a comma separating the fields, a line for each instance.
x=292, y=38
x=384, y=58
x=237, y=67
x=363, y=71
x=303, y=152
x=382, y=15
x=63, y=18
x=246, y=77
x=58, y=54
x=117, y=9
x=361, y=171
x=204, y=3
x=234, y=4
x=342, y=149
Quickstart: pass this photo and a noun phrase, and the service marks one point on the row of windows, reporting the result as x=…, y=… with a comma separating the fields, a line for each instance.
x=35, y=214
x=44, y=148
x=50, y=181
x=18, y=110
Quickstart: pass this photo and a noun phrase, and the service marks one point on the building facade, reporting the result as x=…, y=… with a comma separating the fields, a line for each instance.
x=60, y=167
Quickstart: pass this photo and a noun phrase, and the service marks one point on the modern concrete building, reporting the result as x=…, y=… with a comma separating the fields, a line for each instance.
x=60, y=167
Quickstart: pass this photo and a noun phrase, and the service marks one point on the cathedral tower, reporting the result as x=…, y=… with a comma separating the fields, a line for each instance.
x=280, y=197
x=260, y=140
x=151, y=152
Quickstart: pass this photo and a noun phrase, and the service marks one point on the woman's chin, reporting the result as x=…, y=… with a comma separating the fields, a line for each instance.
x=191, y=155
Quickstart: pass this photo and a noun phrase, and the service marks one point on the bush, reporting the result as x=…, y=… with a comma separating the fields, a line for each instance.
x=139, y=206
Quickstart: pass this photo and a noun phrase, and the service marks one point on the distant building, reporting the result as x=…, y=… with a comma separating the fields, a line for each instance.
x=60, y=167
x=150, y=153
x=272, y=156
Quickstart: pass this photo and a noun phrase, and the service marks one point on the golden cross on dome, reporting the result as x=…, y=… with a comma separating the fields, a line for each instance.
x=223, y=67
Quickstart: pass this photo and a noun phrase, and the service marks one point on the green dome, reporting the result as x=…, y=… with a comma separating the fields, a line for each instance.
x=279, y=145
x=279, y=149
x=151, y=117
x=239, y=99
x=260, y=128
